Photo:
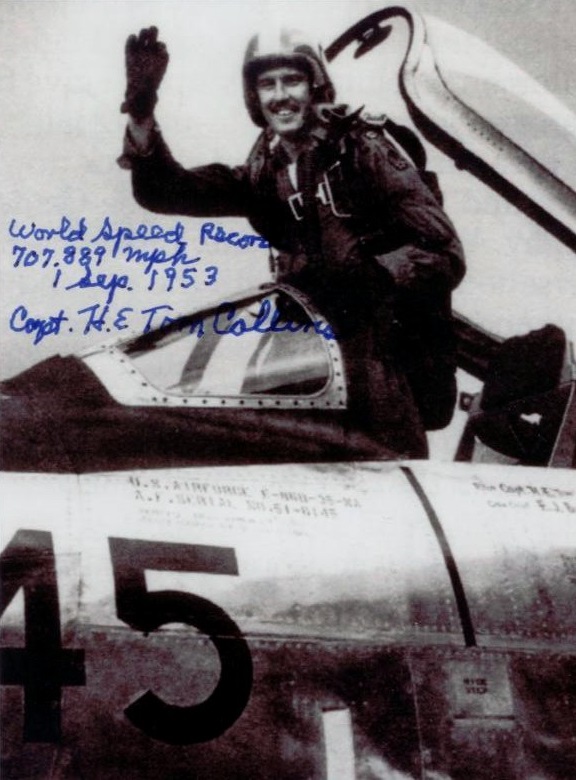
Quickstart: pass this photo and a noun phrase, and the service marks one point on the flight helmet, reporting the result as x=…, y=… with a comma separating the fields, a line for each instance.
x=287, y=48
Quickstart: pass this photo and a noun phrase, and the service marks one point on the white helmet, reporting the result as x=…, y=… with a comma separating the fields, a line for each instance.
x=289, y=47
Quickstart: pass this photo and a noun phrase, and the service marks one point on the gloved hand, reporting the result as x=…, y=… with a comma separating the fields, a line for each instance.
x=146, y=63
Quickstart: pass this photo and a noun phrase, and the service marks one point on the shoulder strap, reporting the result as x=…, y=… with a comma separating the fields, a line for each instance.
x=257, y=159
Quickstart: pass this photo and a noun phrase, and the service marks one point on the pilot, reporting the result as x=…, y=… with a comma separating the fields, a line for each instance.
x=353, y=222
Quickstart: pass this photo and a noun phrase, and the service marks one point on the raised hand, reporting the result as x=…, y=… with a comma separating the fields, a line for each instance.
x=146, y=63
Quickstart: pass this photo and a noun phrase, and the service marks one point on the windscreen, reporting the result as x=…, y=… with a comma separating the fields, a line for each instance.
x=266, y=344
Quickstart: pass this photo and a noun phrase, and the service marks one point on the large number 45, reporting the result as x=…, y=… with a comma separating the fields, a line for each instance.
x=43, y=667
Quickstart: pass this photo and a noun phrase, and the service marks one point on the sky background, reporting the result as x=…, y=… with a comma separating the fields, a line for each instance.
x=62, y=81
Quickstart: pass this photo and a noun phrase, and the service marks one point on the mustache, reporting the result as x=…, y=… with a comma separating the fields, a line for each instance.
x=285, y=103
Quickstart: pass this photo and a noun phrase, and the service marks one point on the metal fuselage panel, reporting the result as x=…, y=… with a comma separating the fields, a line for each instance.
x=403, y=618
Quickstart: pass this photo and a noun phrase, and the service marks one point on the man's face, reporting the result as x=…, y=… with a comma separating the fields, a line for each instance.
x=285, y=99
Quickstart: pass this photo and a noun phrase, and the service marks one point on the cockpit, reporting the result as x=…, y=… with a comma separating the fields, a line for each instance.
x=265, y=348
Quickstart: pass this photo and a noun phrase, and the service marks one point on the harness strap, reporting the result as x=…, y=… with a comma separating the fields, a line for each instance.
x=310, y=224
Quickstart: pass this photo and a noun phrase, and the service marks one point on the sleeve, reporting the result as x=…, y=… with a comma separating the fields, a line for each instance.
x=425, y=252
x=162, y=185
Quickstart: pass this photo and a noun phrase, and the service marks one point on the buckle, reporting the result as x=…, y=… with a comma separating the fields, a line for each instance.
x=296, y=201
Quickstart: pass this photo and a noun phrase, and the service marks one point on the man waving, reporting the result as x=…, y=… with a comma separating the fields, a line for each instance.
x=351, y=219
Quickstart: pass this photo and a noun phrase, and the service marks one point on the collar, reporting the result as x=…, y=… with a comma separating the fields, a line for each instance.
x=330, y=124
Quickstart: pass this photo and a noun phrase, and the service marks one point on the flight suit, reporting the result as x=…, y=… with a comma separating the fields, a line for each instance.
x=357, y=228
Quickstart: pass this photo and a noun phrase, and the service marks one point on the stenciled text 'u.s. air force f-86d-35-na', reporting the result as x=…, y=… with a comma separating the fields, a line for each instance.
x=312, y=605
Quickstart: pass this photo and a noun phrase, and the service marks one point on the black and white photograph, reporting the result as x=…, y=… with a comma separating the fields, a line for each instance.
x=288, y=390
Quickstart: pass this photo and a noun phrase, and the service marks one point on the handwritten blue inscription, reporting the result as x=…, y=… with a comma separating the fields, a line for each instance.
x=76, y=257
x=109, y=282
x=64, y=231
x=150, y=248
x=100, y=318
x=106, y=319
x=243, y=241
x=268, y=320
x=142, y=233
x=37, y=327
